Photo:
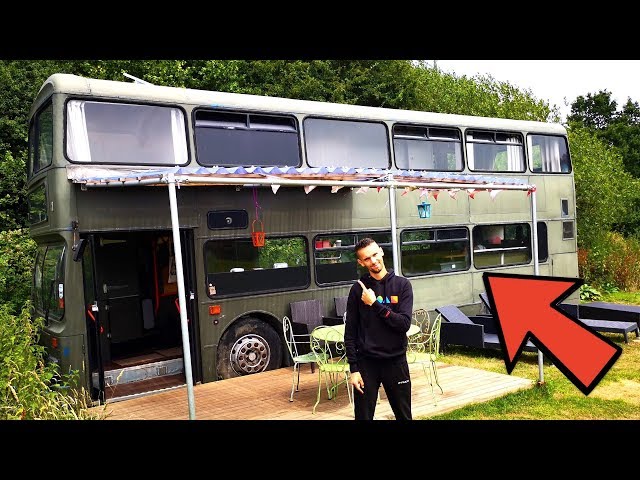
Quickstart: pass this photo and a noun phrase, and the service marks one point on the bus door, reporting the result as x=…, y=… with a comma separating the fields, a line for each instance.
x=98, y=343
x=188, y=264
x=118, y=291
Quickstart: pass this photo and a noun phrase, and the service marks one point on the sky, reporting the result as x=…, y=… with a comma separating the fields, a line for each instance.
x=557, y=80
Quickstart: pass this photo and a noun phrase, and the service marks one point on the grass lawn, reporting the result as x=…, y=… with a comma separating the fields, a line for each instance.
x=616, y=397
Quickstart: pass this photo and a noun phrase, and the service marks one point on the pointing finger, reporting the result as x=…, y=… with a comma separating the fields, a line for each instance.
x=362, y=285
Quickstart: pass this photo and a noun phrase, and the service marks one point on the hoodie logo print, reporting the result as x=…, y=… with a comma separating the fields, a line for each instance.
x=394, y=299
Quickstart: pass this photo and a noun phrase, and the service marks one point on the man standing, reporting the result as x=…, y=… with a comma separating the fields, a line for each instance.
x=379, y=310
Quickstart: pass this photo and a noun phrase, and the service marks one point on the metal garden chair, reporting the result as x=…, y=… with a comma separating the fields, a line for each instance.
x=424, y=348
x=327, y=344
x=294, y=341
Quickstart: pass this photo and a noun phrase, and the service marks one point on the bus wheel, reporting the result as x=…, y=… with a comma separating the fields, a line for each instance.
x=248, y=346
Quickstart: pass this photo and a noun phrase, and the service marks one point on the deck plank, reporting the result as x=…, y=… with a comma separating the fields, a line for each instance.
x=265, y=396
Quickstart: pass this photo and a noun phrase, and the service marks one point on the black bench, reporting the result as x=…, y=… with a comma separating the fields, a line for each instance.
x=475, y=331
x=601, y=325
x=601, y=322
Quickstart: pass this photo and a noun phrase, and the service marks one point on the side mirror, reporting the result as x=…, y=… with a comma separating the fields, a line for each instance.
x=78, y=249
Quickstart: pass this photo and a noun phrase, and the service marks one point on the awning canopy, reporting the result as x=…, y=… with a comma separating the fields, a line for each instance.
x=291, y=176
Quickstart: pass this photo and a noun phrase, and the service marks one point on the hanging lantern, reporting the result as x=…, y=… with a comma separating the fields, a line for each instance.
x=257, y=236
x=424, y=210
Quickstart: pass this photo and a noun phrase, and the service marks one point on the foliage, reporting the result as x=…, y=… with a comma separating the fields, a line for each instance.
x=13, y=199
x=17, y=254
x=589, y=293
x=29, y=387
x=614, y=261
x=604, y=190
x=481, y=95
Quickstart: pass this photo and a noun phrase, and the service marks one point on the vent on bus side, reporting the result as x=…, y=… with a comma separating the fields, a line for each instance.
x=225, y=219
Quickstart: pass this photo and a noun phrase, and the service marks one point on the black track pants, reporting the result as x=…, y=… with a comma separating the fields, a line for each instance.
x=393, y=374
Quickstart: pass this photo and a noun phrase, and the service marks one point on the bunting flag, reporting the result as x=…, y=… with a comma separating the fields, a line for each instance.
x=308, y=188
x=434, y=194
x=471, y=192
x=407, y=190
x=362, y=190
x=423, y=192
x=335, y=188
x=453, y=192
x=275, y=188
x=494, y=193
x=379, y=188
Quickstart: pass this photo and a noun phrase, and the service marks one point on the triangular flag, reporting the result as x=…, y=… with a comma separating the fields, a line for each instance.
x=494, y=193
x=275, y=188
x=434, y=194
x=335, y=188
x=378, y=188
x=406, y=190
x=362, y=190
x=471, y=192
x=452, y=193
x=308, y=188
x=423, y=192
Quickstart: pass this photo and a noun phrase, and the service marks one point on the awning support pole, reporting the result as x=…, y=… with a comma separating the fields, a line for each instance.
x=186, y=349
x=394, y=226
x=536, y=270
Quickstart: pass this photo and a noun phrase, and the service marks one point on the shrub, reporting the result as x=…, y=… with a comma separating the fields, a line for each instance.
x=30, y=388
x=17, y=254
x=612, y=262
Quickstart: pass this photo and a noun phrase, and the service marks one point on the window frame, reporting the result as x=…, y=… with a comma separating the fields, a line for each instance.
x=437, y=240
x=494, y=142
x=245, y=126
x=94, y=100
x=427, y=138
x=306, y=136
x=260, y=276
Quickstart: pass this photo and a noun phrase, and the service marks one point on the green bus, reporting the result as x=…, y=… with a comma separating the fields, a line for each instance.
x=176, y=226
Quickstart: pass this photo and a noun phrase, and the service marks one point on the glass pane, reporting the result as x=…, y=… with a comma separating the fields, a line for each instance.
x=498, y=245
x=44, y=147
x=53, y=282
x=237, y=267
x=119, y=133
x=342, y=143
x=434, y=251
x=548, y=154
x=38, y=205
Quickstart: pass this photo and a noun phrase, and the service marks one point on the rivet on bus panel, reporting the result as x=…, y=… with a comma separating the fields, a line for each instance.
x=214, y=309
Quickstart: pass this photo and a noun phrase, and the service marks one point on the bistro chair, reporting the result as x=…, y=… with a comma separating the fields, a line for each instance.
x=294, y=342
x=424, y=348
x=327, y=344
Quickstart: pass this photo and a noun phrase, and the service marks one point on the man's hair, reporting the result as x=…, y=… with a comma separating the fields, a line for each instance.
x=365, y=242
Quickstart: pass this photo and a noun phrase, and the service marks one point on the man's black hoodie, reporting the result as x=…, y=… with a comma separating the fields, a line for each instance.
x=379, y=330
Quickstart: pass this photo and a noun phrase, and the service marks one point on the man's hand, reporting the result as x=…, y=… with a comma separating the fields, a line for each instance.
x=355, y=379
x=368, y=296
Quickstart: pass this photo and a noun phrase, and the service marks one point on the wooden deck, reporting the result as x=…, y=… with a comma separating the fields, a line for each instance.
x=265, y=396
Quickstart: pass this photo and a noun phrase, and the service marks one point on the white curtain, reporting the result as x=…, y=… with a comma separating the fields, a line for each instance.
x=550, y=151
x=179, y=139
x=514, y=158
x=77, y=135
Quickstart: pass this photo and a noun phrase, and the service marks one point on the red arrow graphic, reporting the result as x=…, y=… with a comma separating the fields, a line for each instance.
x=525, y=307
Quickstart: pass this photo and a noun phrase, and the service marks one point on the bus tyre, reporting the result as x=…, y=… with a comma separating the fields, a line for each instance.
x=248, y=346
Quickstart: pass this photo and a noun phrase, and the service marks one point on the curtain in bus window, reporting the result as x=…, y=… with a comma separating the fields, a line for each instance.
x=550, y=151
x=177, y=135
x=77, y=136
x=514, y=158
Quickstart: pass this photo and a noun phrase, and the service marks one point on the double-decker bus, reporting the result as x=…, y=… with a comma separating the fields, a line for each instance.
x=176, y=226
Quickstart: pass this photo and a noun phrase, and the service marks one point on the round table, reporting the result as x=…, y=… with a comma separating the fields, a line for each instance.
x=322, y=333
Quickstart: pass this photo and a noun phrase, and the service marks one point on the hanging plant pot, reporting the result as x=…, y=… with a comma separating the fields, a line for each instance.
x=257, y=236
